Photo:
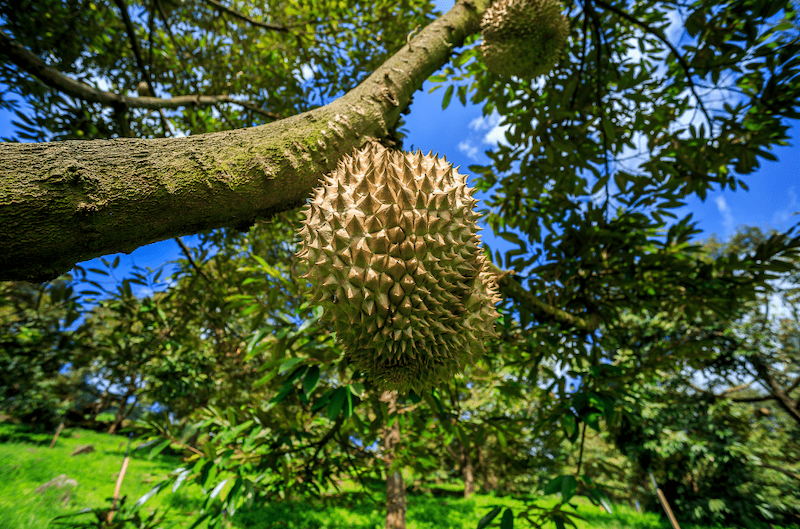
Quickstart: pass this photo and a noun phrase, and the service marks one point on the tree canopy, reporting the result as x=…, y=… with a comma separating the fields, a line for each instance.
x=197, y=115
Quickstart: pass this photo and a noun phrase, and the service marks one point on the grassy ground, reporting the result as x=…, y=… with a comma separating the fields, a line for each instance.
x=26, y=462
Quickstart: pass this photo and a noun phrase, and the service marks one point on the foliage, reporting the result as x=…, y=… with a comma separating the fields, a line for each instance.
x=27, y=462
x=25, y=456
x=35, y=344
x=705, y=456
x=609, y=286
x=316, y=51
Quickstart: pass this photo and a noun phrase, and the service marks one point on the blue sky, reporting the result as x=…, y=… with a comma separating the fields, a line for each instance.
x=462, y=135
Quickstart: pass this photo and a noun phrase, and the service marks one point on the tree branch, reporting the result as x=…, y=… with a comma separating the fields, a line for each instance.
x=64, y=202
x=48, y=75
x=753, y=399
x=735, y=389
x=188, y=254
x=660, y=36
x=137, y=52
x=514, y=290
x=781, y=396
x=782, y=470
x=245, y=18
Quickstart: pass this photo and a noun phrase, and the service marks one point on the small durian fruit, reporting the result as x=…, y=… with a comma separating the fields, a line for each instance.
x=143, y=89
x=394, y=259
x=523, y=38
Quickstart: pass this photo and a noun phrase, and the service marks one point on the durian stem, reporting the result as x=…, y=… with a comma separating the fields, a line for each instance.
x=69, y=201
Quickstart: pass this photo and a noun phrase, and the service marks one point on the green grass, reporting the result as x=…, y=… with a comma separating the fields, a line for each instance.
x=26, y=462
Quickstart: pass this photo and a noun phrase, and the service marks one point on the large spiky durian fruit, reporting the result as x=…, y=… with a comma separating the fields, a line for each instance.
x=523, y=38
x=393, y=257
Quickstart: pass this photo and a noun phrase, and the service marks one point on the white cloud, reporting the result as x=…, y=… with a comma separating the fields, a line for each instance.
x=496, y=136
x=728, y=221
x=783, y=216
x=493, y=131
x=470, y=149
x=483, y=123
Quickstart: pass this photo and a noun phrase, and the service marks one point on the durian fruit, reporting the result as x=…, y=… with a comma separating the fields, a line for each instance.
x=523, y=38
x=394, y=259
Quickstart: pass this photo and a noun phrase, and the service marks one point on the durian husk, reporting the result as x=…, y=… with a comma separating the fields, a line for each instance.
x=394, y=259
x=523, y=38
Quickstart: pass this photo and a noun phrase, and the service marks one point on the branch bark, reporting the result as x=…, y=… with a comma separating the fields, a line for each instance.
x=512, y=289
x=64, y=202
x=28, y=62
x=791, y=406
x=782, y=470
x=245, y=18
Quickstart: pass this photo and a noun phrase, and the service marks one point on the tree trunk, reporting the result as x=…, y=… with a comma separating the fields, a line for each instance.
x=487, y=471
x=395, y=488
x=121, y=411
x=100, y=405
x=65, y=202
x=467, y=472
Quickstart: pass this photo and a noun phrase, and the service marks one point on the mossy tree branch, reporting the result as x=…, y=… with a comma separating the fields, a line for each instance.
x=64, y=202
x=511, y=289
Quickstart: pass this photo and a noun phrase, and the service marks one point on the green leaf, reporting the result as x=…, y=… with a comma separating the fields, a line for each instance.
x=447, y=95
x=218, y=488
x=553, y=486
x=158, y=449
x=501, y=438
x=348, y=408
x=310, y=381
x=570, y=426
x=210, y=451
x=282, y=394
x=337, y=401
x=288, y=364
x=508, y=520
x=152, y=492
x=486, y=520
x=180, y=479
x=568, y=487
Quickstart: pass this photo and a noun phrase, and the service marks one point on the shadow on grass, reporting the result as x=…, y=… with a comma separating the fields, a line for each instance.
x=14, y=433
x=309, y=515
x=622, y=519
x=435, y=512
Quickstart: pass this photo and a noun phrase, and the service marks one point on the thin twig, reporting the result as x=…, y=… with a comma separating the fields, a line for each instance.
x=583, y=60
x=241, y=16
x=657, y=33
x=48, y=75
x=188, y=254
x=131, y=30
x=580, y=455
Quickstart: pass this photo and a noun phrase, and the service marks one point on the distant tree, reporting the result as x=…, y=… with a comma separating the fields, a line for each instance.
x=712, y=410
x=40, y=359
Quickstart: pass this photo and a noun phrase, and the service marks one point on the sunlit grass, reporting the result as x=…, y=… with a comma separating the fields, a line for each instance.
x=26, y=462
